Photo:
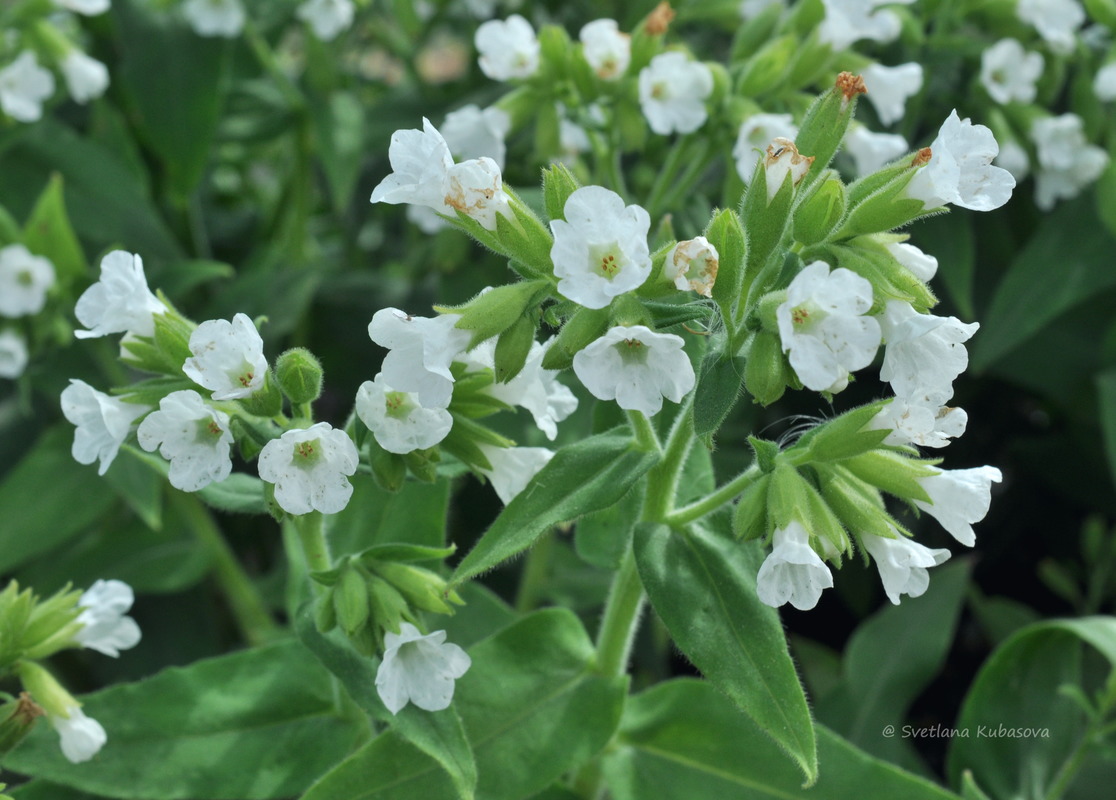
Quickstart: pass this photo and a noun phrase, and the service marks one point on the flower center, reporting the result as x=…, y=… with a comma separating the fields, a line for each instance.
x=606, y=260
x=806, y=316
x=208, y=431
x=307, y=454
x=244, y=376
x=398, y=404
x=660, y=90
x=24, y=277
x=632, y=351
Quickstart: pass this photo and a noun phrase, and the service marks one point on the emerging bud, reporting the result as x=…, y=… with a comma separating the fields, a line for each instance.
x=300, y=375
x=692, y=265
x=658, y=21
x=783, y=159
x=17, y=718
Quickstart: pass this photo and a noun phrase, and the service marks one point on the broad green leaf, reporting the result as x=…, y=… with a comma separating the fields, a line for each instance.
x=681, y=741
x=180, y=277
x=416, y=514
x=138, y=485
x=719, y=387
x=255, y=724
x=41, y=790
x=339, y=129
x=483, y=614
x=586, y=476
x=949, y=238
x=1017, y=728
x=703, y=587
x=1106, y=387
x=48, y=232
x=602, y=538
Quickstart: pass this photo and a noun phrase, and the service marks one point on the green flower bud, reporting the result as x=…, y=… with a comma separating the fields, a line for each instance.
x=512, y=349
x=583, y=327
x=300, y=375
x=421, y=588
x=45, y=689
x=766, y=370
x=726, y=234
x=267, y=401
x=555, y=54
x=350, y=599
x=325, y=613
x=423, y=464
x=820, y=213
x=892, y=472
x=765, y=69
x=858, y=505
x=389, y=609
x=17, y=718
x=877, y=202
x=494, y=311
x=823, y=129
x=749, y=520
x=558, y=184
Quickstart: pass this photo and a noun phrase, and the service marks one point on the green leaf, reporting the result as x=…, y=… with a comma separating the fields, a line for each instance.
x=139, y=485
x=602, y=538
x=48, y=232
x=719, y=386
x=255, y=724
x=586, y=476
x=703, y=587
x=339, y=130
x=41, y=790
x=681, y=741
x=415, y=515
x=1106, y=388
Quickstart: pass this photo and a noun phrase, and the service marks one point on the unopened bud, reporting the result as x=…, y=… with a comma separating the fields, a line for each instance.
x=692, y=265
x=17, y=718
x=782, y=160
x=300, y=375
x=766, y=371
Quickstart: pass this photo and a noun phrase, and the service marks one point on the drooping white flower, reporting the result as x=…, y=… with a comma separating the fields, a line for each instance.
x=606, y=48
x=419, y=163
x=823, y=328
x=692, y=265
x=89, y=8
x=921, y=419
x=902, y=564
x=224, y=18
x=86, y=77
x=476, y=189
x=13, y=354
x=1009, y=73
x=1104, y=82
x=924, y=353
x=228, y=358
x=672, y=93
x=636, y=367
x=508, y=48
x=959, y=498
x=24, y=86
x=398, y=421
x=81, y=737
x=960, y=170
x=848, y=21
x=106, y=626
x=600, y=250
x=792, y=572
x=756, y=133
x=102, y=423
x=922, y=265
x=421, y=351
x=1067, y=162
x=889, y=87
x=870, y=151
x=1056, y=21
x=513, y=468
x=120, y=301
x=195, y=438
x=25, y=280
x=326, y=18
x=419, y=669
x=310, y=469
x=473, y=132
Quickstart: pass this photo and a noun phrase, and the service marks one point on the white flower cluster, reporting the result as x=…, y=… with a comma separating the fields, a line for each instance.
x=25, y=281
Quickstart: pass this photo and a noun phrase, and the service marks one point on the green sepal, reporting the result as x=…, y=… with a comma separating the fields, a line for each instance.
x=389, y=609
x=749, y=518
x=260, y=431
x=765, y=223
x=420, y=587
x=752, y=33
x=889, y=279
x=824, y=127
x=299, y=373
x=406, y=553
x=478, y=433
x=172, y=338
x=892, y=472
x=150, y=391
x=585, y=326
x=389, y=470
x=726, y=233
x=325, y=615
x=17, y=718
x=877, y=204
x=327, y=577
x=766, y=372
x=423, y=464
x=350, y=599
x=558, y=184
x=845, y=436
x=555, y=52
x=512, y=349
x=821, y=212
x=766, y=453
x=267, y=401
x=786, y=495
x=666, y=315
x=858, y=505
x=492, y=312
x=767, y=66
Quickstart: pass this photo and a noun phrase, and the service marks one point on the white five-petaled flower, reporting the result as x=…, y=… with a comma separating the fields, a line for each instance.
x=1104, y=82
x=672, y=93
x=922, y=265
x=310, y=468
x=81, y=737
x=922, y=419
x=228, y=358
x=822, y=325
x=606, y=48
x=692, y=266
x=89, y=8
x=960, y=170
x=513, y=468
x=400, y=423
x=958, y=498
x=870, y=151
x=421, y=351
x=636, y=367
x=120, y=301
x=102, y=423
x=25, y=280
x=792, y=572
x=13, y=354
x=924, y=353
x=508, y=48
x=24, y=86
x=223, y=18
x=848, y=21
x=326, y=18
x=889, y=87
x=902, y=564
x=473, y=132
x=107, y=628
x=1009, y=73
x=194, y=437
x=756, y=133
x=1067, y=163
x=1056, y=21
x=86, y=77
x=419, y=669
x=600, y=250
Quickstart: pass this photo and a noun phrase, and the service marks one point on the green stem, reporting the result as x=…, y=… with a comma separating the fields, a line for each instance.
x=644, y=432
x=533, y=579
x=1092, y=735
x=718, y=498
x=248, y=608
x=311, y=536
x=621, y=619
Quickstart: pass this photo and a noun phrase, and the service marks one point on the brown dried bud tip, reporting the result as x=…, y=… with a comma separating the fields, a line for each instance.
x=27, y=709
x=783, y=158
x=659, y=20
x=850, y=85
x=921, y=157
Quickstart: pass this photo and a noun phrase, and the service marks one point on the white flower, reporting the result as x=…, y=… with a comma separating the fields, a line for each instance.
x=214, y=17
x=783, y=159
x=1056, y=21
x=419, y=163
x=476, y=189
x=870, y=151
x=922, y=265
x=1067, y=163
x=13, y=354
x=607, y=50
x=958, y=498
x=600, y=250
x=25, y=280
x=672, y=93
x=889, y=87
x=89, y=8
x=1014, y=159
x=960, y=169
x=228, y=358
x=398, y=421
x=508, y=48
x=848, y=21
x=756, y=133
x=82, y=737
x=793, y=572
x=102, y=423
x=924, y=353
x=922, y=419
x=326, y=18
x=419, y=669
x=692, y=266
x=426, y=219
x=513, y=468
x=194, y=437
x=573, y=140
x=24, y=85
x=421, y=351
x=310, y=469
x=636, y=367
x=471, y=132
x=1104, y=82
x=86, y=77
x=823, y=327
x=107, y=629
x=902, y=564
x=1008, y=72
x=120, y=301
